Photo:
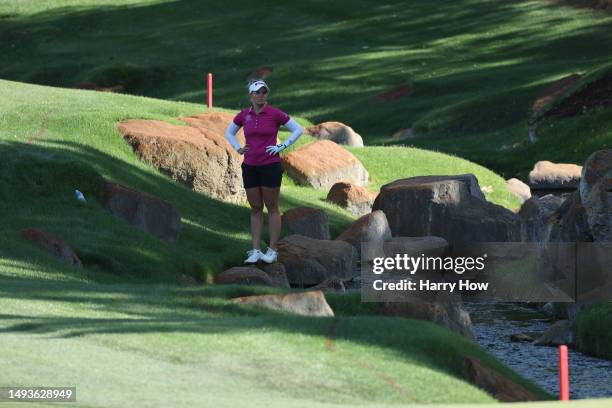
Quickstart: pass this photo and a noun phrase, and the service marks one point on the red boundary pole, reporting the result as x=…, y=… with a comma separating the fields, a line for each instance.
x=563, y=374
x=210, y=90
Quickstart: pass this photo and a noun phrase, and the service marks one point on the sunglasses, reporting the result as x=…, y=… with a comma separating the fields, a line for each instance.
x=262, y=91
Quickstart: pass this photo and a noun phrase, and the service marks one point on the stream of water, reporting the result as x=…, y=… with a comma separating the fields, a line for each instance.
x=495, y=322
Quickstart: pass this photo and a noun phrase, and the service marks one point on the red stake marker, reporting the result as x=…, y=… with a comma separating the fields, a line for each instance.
x=563, y=374
x=209, y=90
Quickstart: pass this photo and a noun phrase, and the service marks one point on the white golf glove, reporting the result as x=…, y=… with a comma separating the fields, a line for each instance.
x=276, y=149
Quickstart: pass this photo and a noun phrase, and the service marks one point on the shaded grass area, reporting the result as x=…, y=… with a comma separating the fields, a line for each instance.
x=199, y=338
x=593, y=328
x=474, y=65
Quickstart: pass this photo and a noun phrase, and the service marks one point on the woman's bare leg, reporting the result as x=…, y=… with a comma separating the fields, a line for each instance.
x=254, y=196
x=270, y=198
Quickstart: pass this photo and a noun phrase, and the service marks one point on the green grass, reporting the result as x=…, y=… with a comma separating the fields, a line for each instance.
x=170, y=343
x=593, y=328
x=54, y=141
x=475, y=65
x=124, y=307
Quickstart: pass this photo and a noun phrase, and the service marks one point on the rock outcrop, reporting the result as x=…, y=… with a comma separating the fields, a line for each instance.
x=310, y=222
x=336, y=132
x=310, y=303
x=323, y=163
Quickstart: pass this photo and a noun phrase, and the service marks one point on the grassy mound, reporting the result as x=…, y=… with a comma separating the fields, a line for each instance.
x=125, y=306
x=57, y=140
x=593, y=329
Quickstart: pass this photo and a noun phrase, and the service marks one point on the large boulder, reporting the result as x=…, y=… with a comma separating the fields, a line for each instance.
x=535, y=213
x=547, y=175
x=323, y=163
x=311, y=303
x=310, y=261
x=369, y=231
x=569, y=223
x=596, y=194
x=310, y=222
x=519, y=189
x=198, y=156
x=148, y=213
x=356, y=199
x=53, y=245
x=446, y=207
x=336, y=132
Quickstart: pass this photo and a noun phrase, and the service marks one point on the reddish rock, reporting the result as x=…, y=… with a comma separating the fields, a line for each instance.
x=198, y=155
x=336, y=132
x=310, y=222
x=323, y=163
x=144, y=211
x=53, y=245
x=356, y=199
x=500, y=387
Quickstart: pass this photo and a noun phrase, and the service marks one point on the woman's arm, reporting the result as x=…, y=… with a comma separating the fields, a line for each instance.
x=230, y=135
x=296, y=131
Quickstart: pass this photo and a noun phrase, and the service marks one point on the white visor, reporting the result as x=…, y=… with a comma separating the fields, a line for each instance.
x=257, y=85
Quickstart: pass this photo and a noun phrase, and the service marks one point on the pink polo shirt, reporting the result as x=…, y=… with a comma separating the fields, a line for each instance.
x=261, y=131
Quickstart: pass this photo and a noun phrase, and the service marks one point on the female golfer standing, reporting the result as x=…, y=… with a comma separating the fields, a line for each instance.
x=261, y=168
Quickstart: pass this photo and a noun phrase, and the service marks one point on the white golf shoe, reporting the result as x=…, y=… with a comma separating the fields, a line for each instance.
x=254, y=256
x=270, y=256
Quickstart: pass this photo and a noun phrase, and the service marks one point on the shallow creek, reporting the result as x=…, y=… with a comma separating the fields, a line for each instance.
x=495, y=322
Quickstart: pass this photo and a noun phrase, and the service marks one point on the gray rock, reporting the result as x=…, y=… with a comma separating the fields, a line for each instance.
x=310, y=222
x=277, y=274
x=596, y=194
x=534, y=214
x=310, y=261
x=446, y=207
x=368, y=232
x=569, y=223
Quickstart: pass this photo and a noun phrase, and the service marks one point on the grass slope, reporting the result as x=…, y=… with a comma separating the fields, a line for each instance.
x=474, y=65
x=55, y=140
x=124, y=323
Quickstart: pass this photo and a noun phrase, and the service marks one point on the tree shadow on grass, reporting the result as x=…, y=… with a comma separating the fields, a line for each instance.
x=37, y=191
x=207, y=310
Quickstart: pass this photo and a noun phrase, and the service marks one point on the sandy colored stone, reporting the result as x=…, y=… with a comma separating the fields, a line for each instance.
x=310, y=303
x=549, y=175
x=337, y=132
